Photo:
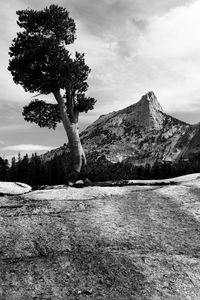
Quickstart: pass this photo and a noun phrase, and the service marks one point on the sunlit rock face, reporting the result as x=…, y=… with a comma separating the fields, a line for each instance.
x=141, y=133
x=148, y=112
x=14, y=188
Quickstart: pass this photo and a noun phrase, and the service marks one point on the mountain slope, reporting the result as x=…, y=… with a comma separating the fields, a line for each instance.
x=141, y=133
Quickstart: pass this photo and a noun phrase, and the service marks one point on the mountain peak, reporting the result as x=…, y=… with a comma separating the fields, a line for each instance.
x=140, y=133
x=148, y=112
x=149, y=99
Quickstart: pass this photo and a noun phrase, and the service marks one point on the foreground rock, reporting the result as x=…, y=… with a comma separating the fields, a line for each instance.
x=134, y=242
x=14, y=188
x=150, y=182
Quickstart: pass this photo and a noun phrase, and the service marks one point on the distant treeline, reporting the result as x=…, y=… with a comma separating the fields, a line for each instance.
x=36, y=172
x=101, y=170
x=33, y=170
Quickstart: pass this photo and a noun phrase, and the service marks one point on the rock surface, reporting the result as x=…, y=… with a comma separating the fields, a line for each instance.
x=134, y=242
x=140, y=133
x=14, y=188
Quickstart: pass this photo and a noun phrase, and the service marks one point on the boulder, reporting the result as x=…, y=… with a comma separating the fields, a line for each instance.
x=79, y=183
x=14, y=188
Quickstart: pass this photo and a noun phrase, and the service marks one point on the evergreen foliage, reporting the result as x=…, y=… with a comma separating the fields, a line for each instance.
x=4, y=169
x=35, y=172
x=41, y=63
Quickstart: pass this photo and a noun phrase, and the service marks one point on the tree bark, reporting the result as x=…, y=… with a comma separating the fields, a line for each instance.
x=77, y=153
x=78, y=159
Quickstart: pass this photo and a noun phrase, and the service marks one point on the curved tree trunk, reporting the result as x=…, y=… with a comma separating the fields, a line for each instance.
x=76, y=150
x=78, y=159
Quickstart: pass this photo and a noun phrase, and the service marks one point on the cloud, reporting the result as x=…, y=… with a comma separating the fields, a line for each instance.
x=131, y=46
x=170, y=49
x=109, y=16
x=26, y=147
x=10, y=92
x=11, y=118
x=8, y=152
x=164, y=57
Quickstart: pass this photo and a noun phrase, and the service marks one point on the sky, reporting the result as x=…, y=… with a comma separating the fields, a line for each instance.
x=131, y=46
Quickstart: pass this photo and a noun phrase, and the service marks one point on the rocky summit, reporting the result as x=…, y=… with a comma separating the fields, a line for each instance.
x=141, y=133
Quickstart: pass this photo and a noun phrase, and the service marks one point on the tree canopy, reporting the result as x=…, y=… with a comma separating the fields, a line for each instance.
x=41, y=63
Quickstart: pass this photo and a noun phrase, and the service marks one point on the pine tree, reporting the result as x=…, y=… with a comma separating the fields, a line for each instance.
x=41, y=63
